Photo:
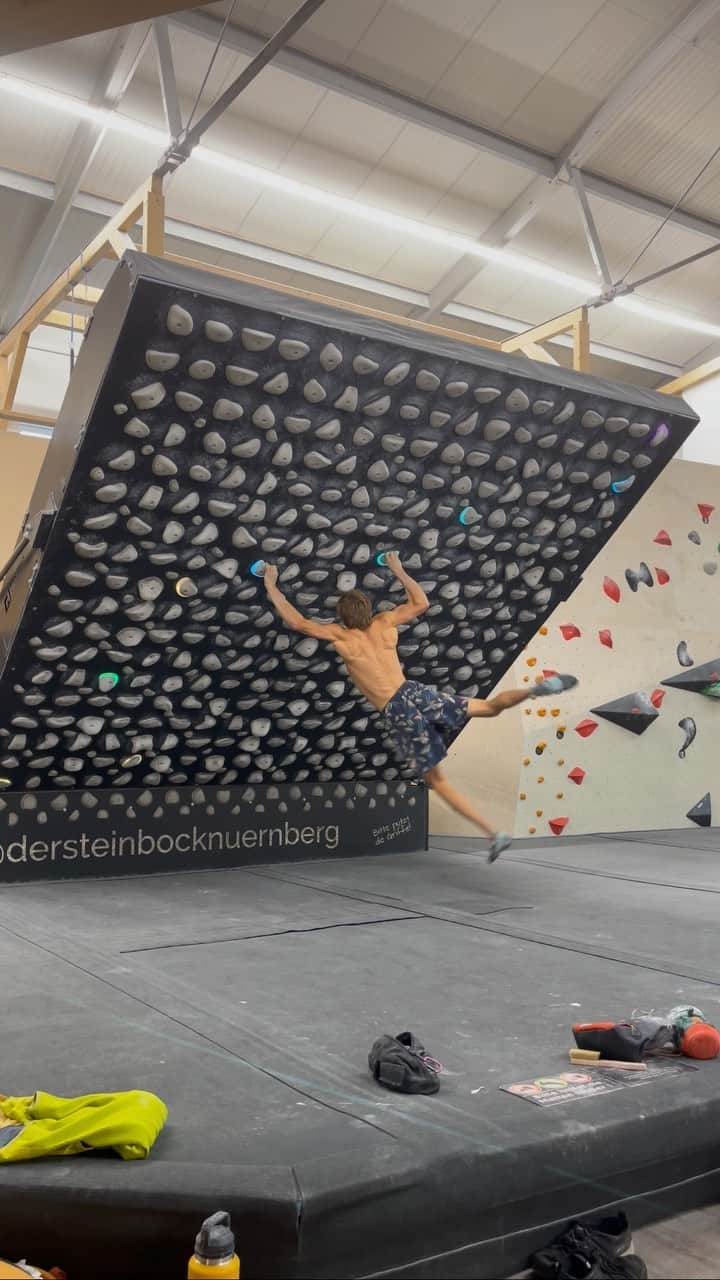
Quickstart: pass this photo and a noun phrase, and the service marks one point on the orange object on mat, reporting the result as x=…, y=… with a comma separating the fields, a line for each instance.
x=700, y=1040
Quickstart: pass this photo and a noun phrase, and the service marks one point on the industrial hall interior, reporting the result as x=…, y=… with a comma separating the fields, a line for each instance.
x=360, y=640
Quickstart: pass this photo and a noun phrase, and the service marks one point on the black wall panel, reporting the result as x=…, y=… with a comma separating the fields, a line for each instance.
x=210, y=425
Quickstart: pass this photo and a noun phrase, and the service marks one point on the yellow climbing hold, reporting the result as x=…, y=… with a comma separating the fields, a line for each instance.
x=531, y=662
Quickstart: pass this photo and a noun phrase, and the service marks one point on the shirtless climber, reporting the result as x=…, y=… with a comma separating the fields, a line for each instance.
x=419, y=720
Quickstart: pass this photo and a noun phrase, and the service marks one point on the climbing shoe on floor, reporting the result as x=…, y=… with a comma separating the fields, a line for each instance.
x=611, y=1235
x=586, y=1265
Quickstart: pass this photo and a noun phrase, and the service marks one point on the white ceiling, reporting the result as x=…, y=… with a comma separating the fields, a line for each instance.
x=533, y=72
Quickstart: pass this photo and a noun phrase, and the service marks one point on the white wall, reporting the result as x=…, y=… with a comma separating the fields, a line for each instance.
x=703, y=445
x=516, y=768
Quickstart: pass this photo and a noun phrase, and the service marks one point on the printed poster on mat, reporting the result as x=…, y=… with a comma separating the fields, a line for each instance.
x=578, y=1084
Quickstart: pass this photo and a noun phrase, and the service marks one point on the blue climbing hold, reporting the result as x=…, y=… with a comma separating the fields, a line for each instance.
x=257, y=569
x=622, y=486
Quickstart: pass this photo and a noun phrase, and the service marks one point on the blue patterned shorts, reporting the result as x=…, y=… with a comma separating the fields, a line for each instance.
x=421, y=724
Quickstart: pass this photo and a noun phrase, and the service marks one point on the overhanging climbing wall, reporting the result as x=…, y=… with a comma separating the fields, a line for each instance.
x=209, y=425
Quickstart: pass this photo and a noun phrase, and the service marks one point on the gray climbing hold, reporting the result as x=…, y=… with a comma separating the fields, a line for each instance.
x=317, y=461
x=598, y=451
x=186, y=401
x=179, y=321
x=641, y=460
x=616, y=424
x=392, y=443
x=602, y=481
x=239, y=376
x=495, y=429
x=452, y=454
x=292, y=348
x=477, y=458
x=361, y=497
x=438, y=418
x=542, y=406
x=421, y=448
x=426, y=381
x=161, y=361
x=163, y=466
x=217, y=331
x=227, y=410
x=531, y=469
x=565, y=413
x=314, y=393
x=506, y=463
x=330, y=356
x=201, y=369
x=572, y=446
x=174, y=435
x=486, y=489
x=151, y=498
x=377, y=407
x=548, y=441
x=378, y=472
x=255, y=513
x=456, y=389
x=621, y=455
x=364, y=364
x=710, y=567
x=150, y=588
x=591, y=419
x=111, y=492
x=213, y=443
x=536, y=497
x=136, y=428
x=278, y=385
x=431, y=481
x=150, y=396
x=199, y=473
x=517, y=401
x=638, y=430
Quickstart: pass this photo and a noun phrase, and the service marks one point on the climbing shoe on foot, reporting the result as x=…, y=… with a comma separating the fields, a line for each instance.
x=500, y=842
x=553, y=685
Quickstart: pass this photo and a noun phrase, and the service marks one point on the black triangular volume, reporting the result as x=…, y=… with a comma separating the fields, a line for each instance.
x=701, y=813
x=634, y=712
x=695, y=679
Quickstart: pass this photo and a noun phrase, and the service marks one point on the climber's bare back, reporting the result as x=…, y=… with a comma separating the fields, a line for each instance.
x=371, y=658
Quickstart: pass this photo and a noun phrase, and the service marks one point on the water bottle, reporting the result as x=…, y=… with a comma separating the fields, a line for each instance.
x=215, y=1254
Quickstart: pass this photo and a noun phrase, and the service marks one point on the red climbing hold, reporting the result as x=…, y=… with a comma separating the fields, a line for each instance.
x=705, y=511
x=656, y=697
x=605, y=637
x=569, y=631
x=661, y=576
x=558, y=825
x=663, y=537
x=611, y=589
x=586, y=727
x=576, y=775
x=548, y=674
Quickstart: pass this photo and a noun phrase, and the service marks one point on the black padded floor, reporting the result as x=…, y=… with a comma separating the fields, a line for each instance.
x=249, y=999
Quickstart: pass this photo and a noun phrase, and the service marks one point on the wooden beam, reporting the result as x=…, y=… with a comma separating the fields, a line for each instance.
x=692, y=378
x=125, y=218
x=85, y=293
x=535, y=352
x=581, y=342
x=153, y=238
x=14, y=370
x=66, y=320
x=32, y=419
x=541, y=332
x=339, y=303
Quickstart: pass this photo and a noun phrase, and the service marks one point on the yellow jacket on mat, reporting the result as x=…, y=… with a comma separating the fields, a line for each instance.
x=43, y=1125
